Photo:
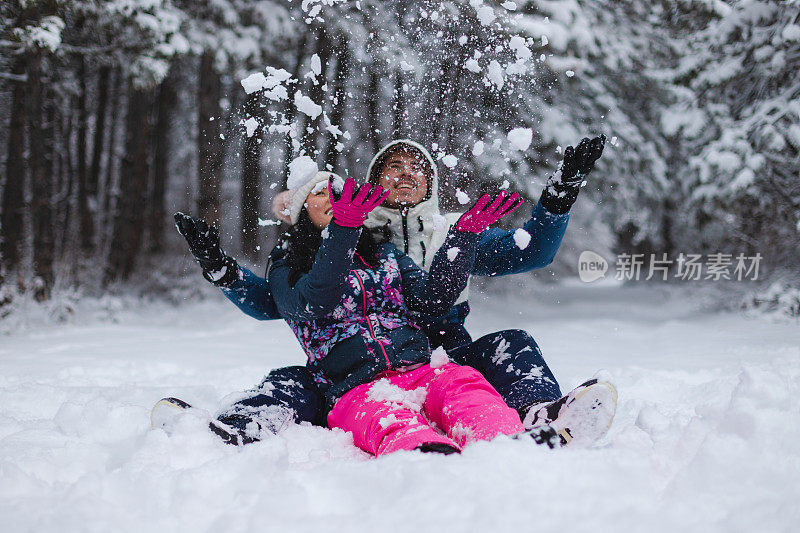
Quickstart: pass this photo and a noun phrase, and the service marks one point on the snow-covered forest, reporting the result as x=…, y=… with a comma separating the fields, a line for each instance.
x=117, y=113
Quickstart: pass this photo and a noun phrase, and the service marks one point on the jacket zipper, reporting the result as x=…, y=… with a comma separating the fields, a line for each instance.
x=404, y=214
x=369, y=322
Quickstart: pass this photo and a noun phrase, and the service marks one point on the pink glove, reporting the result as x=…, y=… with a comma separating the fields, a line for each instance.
x=482, y=215
x=351, y=212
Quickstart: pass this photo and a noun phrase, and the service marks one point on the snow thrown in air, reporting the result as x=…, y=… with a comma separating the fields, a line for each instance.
x=472, y=65
x=250, y=125
x=439, y=222
x=273, y=84
x=496, y=74
x=306, y=105
x=520, y=138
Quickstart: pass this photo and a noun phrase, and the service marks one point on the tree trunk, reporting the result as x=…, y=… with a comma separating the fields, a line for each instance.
x=40, y=146
x=210, y=162
x=313, y=130
x=167, y=99
x=64, y=205
x=251, y=176
x=12, y=221
x=453, y=111
x=85, y=220
x=111, y=153
x=373, y=95
x=130, y=210
x=398, y=106
x=290, y=111
x=339, y=103
x=100, y=131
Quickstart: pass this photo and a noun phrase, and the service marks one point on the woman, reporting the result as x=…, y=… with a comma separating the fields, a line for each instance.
x=350, y=301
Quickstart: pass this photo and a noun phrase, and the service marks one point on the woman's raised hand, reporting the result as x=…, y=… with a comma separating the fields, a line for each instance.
x=486, y=212
x=352, y=212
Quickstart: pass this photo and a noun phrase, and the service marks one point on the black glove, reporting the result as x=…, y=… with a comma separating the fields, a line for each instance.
x=218, y=268
x=563, y=186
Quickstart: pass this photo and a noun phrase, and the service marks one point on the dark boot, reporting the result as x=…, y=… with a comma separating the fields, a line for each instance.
x=437, y=447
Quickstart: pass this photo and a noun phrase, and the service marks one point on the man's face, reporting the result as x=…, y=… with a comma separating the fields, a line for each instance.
x=403, y=175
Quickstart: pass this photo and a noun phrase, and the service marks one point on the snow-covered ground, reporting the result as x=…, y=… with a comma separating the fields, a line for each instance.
x=706, y=438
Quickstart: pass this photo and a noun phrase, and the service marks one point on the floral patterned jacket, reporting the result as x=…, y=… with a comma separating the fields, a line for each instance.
x=355, y=321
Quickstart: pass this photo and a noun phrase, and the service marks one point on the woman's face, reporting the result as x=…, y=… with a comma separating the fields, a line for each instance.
x=318, y=206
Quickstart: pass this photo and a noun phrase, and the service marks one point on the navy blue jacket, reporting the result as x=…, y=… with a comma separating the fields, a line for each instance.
x=355, y=321
x=499, y=255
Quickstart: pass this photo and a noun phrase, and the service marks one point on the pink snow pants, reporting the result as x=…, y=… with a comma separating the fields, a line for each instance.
x=459, y=401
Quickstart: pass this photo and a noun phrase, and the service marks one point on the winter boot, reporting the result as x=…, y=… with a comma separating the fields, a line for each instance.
x=166, y=411
x=583, y=415
x=437, y=447
x=543, y=434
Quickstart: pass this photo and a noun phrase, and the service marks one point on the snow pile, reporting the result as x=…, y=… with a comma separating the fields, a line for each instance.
x=387, y=421
x=522, y=238
x=383, y=391
x=439, y=357
x=791, y=32
x=46, y=35
x=705, y=436
x=779, y=298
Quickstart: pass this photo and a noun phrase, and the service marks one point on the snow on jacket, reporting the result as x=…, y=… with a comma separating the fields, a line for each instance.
x=355, y=321
x=421, y=230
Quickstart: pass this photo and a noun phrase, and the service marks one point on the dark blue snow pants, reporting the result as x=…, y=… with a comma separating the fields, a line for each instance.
x=510, y=360
x=286, y=395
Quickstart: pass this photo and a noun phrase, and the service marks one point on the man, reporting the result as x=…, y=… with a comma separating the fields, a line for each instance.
x=510, y=360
